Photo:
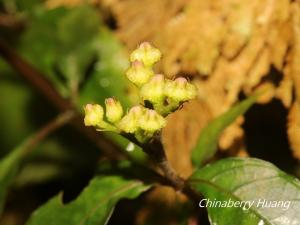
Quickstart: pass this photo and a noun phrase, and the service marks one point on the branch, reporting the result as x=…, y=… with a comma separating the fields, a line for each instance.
x=53, y=125
x=38, y=81
x=10, y=21
x=155, y=151
x=33, y=76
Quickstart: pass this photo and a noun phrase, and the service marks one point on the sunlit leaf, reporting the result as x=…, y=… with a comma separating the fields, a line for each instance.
x=207, y=143
x=93, y=206
x=75, y=51
x=108, y=78
x=250, y=180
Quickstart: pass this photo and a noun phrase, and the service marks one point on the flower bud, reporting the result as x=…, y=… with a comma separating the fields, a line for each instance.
x=114, y=110
x=180, y=90
x=93, y=115
x=138, y=73
x=154, y=89
x=151, y=121
x=146, y=53
x=130, y=122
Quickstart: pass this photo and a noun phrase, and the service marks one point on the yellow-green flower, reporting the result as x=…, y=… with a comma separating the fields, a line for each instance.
x=146, y=53
x=151, y=121
x=114, y=110
x=180, y=90
x=130, y=122
x=153, y=90
x=138, y=73
x=93, y=114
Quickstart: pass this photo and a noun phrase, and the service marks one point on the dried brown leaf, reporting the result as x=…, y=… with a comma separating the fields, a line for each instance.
x=294, y=129
x=285, y=91
x=228, y=45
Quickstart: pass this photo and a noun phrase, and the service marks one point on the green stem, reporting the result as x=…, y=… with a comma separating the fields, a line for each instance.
x=164, y=110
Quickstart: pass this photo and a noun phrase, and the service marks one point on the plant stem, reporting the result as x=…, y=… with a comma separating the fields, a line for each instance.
x=155, y=151
x=157, y=154
x=170, y=177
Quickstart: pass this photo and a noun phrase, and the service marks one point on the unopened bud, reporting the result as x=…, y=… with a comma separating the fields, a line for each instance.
x=136, y=111
x=151, y=121
x=138, y=73
x=154, y=89
x=114, y=110
x=180, y=90
x=146, y=53
x=93, y=115
x=130, y=122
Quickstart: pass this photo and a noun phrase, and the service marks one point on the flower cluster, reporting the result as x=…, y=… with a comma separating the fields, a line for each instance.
x=164, y=94
x=160, y=96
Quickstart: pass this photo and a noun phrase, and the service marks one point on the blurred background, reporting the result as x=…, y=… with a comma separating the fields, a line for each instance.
x=81, y=48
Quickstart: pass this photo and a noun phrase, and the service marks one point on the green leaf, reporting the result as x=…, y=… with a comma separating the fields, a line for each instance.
x=22, y=113
x=93, y=206
x=15, y=112
x=76, y=47
x=69, y=53
x=78, y=52
x=108, y=79
x=207, y=143
x=94, y=52
x=66, y=53
x=19, y=5
x=9, y=167
x=253, y=180
x=40, y=45
x=84, y=16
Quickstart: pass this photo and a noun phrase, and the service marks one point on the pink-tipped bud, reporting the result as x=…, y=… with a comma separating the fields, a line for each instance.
x=93, y=115
x=153, y=91
x=138, y=73
x=146, y=53
x=114, y=110
x=136, y=110
x=181, y=81
x=180, y=90
x=151, y=121
x=130, y=122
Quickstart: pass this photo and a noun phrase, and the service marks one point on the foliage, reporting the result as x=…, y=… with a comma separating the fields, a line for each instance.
x=67, y=58
x=207, y=144
x=97, y=179
x=251, y=180
x=8, y=167
x=92, y=206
